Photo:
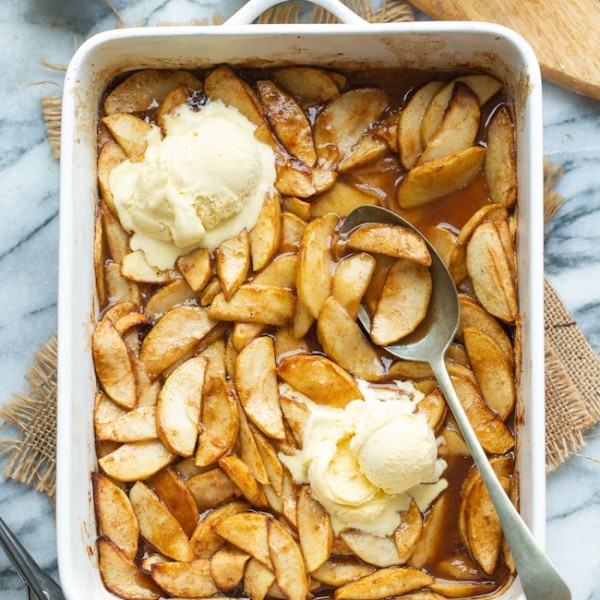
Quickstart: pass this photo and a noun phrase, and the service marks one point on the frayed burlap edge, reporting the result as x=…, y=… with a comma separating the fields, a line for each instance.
x=52, y=110
x=566, y=416
x=576, y=355
x=32, y=454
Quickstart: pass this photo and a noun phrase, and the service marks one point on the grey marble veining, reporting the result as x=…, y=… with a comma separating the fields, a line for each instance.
x=31, y=30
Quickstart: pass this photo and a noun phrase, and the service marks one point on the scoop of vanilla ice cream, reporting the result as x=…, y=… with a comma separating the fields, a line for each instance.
x=366, y=461
x=400, y=454
x=199, y=185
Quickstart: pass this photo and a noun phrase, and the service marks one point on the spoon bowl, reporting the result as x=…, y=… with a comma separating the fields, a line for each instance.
x=429, y=343
x=439, y=327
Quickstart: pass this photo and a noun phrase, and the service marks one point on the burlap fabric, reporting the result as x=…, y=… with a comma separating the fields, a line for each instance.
x=572, y=367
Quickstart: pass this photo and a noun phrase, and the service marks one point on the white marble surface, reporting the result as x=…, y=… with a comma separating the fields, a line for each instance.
x=31, y=30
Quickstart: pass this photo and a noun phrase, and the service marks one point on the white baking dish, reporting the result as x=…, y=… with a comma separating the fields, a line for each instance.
x=438, y=46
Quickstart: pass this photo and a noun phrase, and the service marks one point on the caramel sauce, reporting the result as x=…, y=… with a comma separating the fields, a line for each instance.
x=451, y=211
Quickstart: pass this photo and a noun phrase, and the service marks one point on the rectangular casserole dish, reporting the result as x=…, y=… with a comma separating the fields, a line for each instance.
x=440, y=47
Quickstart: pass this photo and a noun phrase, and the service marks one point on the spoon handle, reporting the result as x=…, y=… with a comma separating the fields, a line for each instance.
x=539, y=578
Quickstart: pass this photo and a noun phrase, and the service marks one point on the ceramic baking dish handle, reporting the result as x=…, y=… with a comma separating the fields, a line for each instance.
x=254, y=8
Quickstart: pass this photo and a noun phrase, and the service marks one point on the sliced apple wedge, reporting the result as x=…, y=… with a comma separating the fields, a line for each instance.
x=288, y=565
x=459, y=126
x=310, y=85
x=190, y=579
x=120, y=289
x=134, y=266
x=232, y=260
x=367, y=149
x=489, y=269
x=178, y=408
x=99, y=257
x=247, y=448
x=113, y=365
x=219, y=422
x=380, y=551
x=292, y=230
x=135, y=461
x=439, y=177
x=457, y=261
x=403, y=302
x=391, y=240
x=484, y=87
x=115, y=516
x=351, y=280
x=409, y=531
x=223, y=84
x=410, y=146
x=493, y=371
x=433, y=527
x=258, y=580
x=265, y=236
x=314, y=263
x=241, y=475
x=141, y=89
x=105, y=411
x=281, y=272
x=472, y=314
x=227, y=567
x=196, y=268
x=297, y=179
x=341, y=198
x=111, y=154
x=500, y=161
x=204, y=540
x=345, y=343
x=173, y=100
x=211, y=488
x=319, y=378
x=157, y=525
x=177, y=332
x=136, y=425
x=249, y=532
x=121, y=575
x=130, y=131
x=484, y=531
x=494, y=435
x=253, y=303
x=296, y=415
x=342, y=122
x=394, y=581
x=288, y=121
x=339, y=570
x=256, y=383
x=171, y=295
x=117, y=239
x=314, y=530
x=170, y=487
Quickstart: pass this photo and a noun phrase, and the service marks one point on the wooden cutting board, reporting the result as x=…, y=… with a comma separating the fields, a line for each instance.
x=565, y=34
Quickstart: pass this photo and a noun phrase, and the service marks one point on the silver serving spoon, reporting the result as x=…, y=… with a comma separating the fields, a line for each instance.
x=539, y=578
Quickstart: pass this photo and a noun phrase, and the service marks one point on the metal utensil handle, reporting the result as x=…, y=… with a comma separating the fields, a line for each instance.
x=254, y=8
x=42, y=585
x=538, y=576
